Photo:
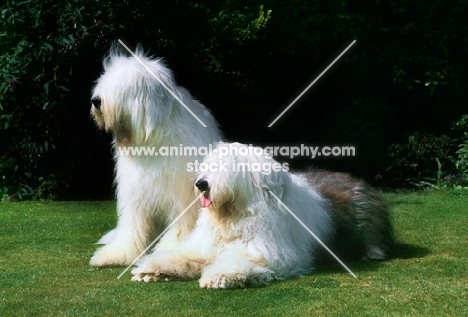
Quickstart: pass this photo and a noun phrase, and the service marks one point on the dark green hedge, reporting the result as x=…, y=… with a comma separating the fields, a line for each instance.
x=246, y=60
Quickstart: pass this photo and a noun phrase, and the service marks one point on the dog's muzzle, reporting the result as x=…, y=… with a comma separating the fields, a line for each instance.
x=202, y=185
x=96, y=101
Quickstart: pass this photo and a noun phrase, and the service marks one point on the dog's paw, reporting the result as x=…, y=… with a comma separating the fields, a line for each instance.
x=223, y=281
x=111, y=256
x=145, y=275
x=149, y=277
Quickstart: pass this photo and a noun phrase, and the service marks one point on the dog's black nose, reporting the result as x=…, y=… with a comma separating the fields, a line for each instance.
x=202, y=185
x=96, y=101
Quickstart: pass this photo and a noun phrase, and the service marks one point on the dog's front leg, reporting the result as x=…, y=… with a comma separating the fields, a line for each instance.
x=236, y=266
x=184, y=261
x=123, y=244
x=168, y=266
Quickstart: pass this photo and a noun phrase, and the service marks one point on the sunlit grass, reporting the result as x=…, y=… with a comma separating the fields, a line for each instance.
x=46, y=246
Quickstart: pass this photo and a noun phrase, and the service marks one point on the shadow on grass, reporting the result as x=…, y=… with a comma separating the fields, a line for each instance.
x=408, y=251
x=401, y=251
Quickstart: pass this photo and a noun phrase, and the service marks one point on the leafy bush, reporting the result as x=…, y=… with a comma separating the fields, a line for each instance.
x=42, y=45
x=51, y=53
x=432, y=161
x=242, y=56
x=462, y=153
x=422, y=159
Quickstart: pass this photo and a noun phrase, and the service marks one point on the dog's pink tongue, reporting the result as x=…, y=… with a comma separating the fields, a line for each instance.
x=205, y=202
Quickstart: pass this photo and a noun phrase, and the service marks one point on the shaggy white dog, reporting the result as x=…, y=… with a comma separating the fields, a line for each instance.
x=152, y=190
x=245, y=236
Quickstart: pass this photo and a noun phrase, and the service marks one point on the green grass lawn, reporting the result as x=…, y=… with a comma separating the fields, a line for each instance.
x=44, y=271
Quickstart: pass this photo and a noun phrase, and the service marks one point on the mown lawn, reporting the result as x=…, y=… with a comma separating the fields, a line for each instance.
x=44, y=271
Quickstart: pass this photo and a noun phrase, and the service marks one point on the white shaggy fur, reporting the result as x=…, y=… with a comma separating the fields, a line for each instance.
x=244, y=236
x=151, y=190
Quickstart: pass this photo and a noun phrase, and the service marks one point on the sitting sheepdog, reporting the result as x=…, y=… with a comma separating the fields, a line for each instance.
x=244, y=235
x=132, y=99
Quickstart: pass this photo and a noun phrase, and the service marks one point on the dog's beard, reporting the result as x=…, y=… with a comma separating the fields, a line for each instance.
x=98, y=118
x=122, y=133
x=120, y=129
x=223, y=213
x=225, y=208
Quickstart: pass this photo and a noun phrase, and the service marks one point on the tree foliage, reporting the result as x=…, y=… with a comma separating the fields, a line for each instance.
x=245, y=60
x=51, y=53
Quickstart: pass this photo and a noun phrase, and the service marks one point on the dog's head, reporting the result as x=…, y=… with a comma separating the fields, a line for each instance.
x=236, y=178
x=130, y=99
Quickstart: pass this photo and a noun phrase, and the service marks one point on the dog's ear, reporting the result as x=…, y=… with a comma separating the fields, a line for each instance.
x=158, y=102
